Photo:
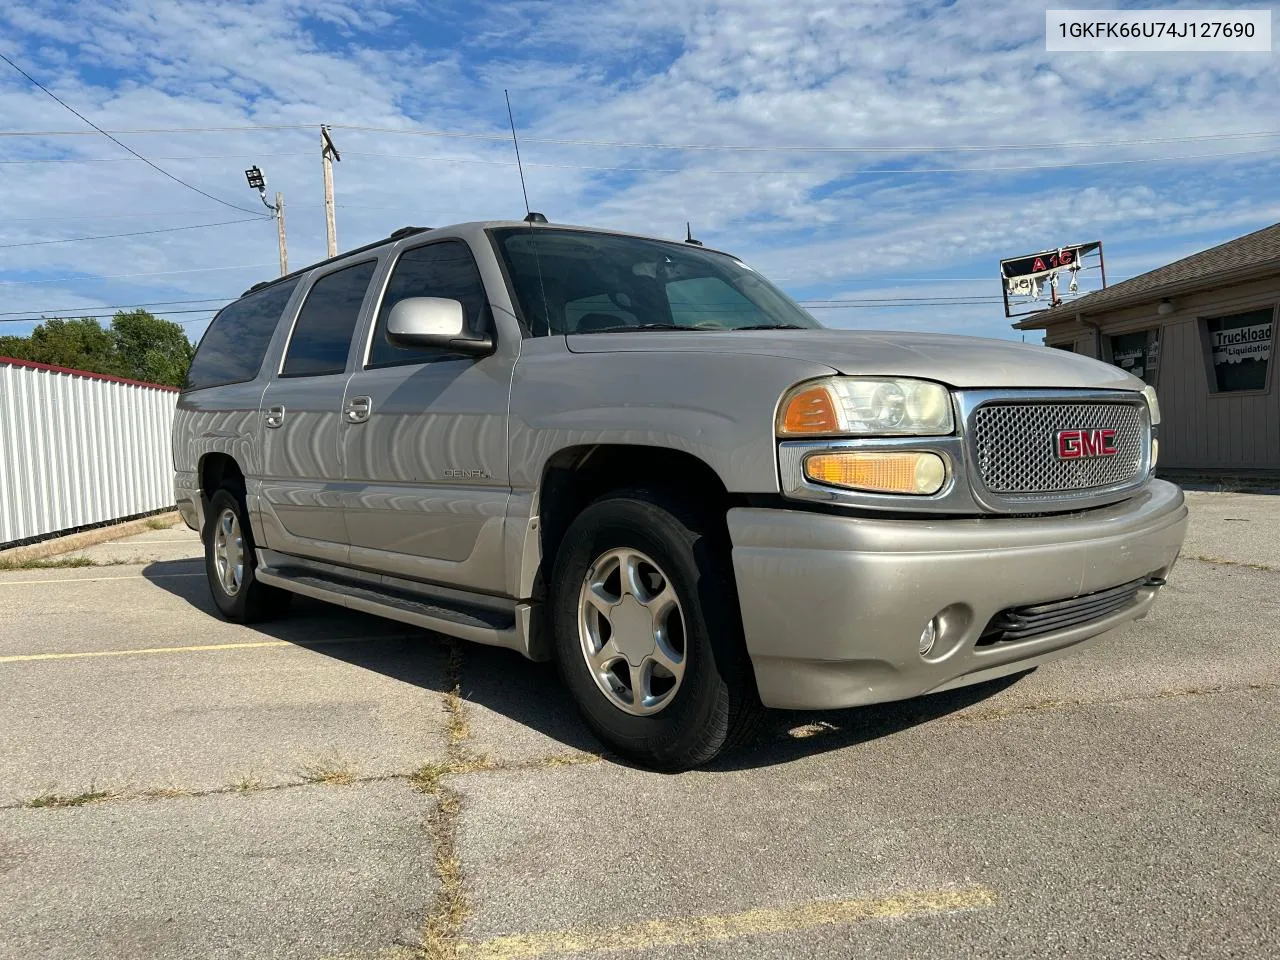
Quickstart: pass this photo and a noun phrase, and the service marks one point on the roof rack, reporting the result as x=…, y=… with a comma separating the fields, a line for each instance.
x=407, y=232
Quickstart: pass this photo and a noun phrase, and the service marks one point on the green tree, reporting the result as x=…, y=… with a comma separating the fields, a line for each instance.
x=153, y=349
x=138, y=345
x=81, y=344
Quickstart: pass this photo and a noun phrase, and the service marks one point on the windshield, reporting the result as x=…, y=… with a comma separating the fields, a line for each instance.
x=573, y=281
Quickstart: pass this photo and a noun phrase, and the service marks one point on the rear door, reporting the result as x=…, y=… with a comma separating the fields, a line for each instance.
x=425, y=436
x=301, y=493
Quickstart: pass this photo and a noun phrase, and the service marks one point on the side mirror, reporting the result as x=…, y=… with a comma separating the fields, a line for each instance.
x=434, y=323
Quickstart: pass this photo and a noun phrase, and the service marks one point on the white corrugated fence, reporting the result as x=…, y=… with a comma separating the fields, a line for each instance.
x=79, y=448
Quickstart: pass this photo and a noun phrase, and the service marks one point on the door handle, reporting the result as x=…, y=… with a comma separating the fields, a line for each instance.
x=274, y=417
x=358, y=409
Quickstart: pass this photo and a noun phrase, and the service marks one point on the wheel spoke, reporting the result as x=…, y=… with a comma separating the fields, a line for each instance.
x=599, y=599
x=668, y=659
x=607, y=653
x=627, y=576
x=637, y=686
x=660, y=606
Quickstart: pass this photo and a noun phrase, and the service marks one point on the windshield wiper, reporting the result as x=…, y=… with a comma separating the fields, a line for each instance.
x=627, y=328
x=771, y=326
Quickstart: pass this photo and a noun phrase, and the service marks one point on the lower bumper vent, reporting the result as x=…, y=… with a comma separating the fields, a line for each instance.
x=1026, y=623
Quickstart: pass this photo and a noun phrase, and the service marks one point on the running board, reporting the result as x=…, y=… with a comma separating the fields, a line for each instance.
x=499, y=624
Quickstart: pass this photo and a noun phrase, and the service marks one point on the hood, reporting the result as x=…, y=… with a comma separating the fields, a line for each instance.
x=966, y=362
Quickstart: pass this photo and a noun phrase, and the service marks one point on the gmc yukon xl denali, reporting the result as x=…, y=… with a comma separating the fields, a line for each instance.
x=639, y=458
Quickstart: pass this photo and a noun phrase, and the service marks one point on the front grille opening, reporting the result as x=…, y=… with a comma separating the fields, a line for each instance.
x=1013, y=445
x=1026, y=623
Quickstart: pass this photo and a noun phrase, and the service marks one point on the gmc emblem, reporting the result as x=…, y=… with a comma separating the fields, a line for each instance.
x=1078, y=444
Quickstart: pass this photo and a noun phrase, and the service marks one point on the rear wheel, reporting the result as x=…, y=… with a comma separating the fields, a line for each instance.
x=231, y=563
x=647, y=631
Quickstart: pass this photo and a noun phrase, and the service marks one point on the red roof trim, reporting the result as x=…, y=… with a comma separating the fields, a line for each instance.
x=31, y=364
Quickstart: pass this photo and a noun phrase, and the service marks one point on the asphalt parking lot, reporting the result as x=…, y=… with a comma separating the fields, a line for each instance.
x=337, y=786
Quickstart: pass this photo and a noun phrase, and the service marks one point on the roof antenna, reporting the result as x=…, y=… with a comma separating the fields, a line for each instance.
x=688, y=235
x=529, y=215
x=530, y=218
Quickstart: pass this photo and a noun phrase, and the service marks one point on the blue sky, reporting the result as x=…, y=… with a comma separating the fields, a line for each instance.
x=1157, y=155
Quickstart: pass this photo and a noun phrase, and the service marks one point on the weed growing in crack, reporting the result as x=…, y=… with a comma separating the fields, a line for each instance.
x=330, y=770
x=46, y=563
x=76, y=800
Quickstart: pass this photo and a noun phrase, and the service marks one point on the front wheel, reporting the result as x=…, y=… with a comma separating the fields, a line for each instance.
x=647, y=631
x=230, y=563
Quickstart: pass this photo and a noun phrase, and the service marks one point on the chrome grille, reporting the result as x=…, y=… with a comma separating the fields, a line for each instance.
x=1013, y=447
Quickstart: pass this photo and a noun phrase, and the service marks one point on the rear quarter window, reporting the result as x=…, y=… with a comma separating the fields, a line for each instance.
x=234, y=346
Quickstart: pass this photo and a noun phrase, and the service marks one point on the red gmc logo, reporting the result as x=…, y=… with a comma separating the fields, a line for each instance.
x=1078, y=444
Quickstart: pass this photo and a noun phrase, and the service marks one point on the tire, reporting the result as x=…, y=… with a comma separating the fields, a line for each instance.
x=240, y=598
x=707, y=700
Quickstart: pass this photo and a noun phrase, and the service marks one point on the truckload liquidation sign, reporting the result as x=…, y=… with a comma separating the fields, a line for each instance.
x=1240, y=347
x=1242, y=343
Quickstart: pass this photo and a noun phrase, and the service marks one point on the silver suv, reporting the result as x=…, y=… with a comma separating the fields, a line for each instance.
x=640, y=459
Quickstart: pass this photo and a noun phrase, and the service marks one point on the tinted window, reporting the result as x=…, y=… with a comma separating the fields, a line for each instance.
x=570, y=281
x=593, y=313
x=232, y=349
x=322, y=334
x=1241, y=350
x=445, y=270
x=712, y=301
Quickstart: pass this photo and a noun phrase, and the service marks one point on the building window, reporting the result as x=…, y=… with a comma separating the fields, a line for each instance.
x=1069, y=346
x=1240, y=348
x=1137, y=353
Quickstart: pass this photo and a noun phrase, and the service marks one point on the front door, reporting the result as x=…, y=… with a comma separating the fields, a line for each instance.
x=301, y=417
x=425, y=438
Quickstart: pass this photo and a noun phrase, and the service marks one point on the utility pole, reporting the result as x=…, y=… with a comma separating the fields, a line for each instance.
x=284, y=247
x=258, y=181
x=329, y=153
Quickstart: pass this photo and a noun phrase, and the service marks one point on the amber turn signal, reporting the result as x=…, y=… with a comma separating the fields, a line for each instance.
x=810, y=411
x=918, y=474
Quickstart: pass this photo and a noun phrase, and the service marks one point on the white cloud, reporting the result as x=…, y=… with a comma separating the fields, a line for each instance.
x=898, y=75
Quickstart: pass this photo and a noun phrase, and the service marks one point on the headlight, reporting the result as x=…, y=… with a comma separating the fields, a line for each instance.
x=1153, y=402
x=865, y=407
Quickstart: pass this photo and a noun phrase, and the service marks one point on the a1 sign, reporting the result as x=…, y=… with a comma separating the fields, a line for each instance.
x=1079, y=444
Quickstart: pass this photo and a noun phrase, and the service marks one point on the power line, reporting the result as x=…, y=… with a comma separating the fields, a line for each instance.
x=756, y=148
x=123, y=276
x=100, y=316
x=124, y=306
x=801, y=171
x=245, y=128
x=749, y=148
x=136, y=233
x=203, y=156
x=107, y=216
x=123, y=146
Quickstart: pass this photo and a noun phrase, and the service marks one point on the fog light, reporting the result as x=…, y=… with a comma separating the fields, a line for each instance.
x=1155, y=452
x=916, y=474
x=928, y=636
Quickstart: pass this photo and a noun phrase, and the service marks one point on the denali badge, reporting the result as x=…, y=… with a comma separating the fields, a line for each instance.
x=1078, y=444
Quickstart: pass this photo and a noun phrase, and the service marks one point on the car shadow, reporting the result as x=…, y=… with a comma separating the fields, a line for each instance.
x=531, y=694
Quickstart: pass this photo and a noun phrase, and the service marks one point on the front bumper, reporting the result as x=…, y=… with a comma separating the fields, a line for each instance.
x=833, y=607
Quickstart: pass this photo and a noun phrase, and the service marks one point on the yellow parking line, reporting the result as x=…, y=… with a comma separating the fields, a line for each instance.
x=250, y=645
x=687, y=931
x=132, y=576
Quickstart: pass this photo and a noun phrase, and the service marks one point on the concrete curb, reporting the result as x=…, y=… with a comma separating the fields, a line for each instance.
x=86, y=538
